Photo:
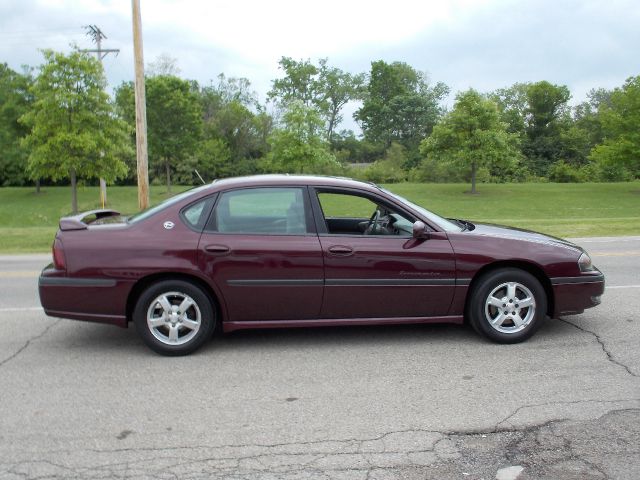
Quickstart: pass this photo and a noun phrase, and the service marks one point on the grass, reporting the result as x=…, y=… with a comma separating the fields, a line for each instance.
x=565, y=210
x=28, y=221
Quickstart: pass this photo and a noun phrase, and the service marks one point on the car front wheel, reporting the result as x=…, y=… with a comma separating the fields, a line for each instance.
x=174, y=317
x=507, y=305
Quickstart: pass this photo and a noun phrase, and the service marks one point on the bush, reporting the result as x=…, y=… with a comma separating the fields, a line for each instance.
x=562, y=172
x=612, y=172
x=390, y=168
x=431, y=170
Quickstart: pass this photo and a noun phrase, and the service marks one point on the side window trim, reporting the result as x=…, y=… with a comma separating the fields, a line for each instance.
x=213, y=198
x=212, y=228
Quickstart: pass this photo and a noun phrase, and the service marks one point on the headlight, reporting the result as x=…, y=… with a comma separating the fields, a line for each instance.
x=584, y=263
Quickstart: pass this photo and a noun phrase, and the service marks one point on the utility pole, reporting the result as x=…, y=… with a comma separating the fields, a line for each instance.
x=96, y=35
x=141, y=109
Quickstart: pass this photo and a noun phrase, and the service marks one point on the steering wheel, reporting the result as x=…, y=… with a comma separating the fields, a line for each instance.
x=372, y=227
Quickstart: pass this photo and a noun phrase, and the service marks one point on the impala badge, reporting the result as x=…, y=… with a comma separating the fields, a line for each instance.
x=168, y=225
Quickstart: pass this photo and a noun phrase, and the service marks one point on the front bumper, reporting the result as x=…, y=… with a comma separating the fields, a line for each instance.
x=575, y=294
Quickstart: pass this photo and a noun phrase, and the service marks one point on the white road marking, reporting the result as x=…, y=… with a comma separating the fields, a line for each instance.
x=608, y=240
x=622, y=286
x=21, y=309
x=19, y=274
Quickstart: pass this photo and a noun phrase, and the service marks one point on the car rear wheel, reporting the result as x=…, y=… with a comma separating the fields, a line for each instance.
x=174, y=317
x=507, y=305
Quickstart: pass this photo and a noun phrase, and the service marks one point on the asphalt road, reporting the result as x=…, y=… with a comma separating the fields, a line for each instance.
x=79, y=400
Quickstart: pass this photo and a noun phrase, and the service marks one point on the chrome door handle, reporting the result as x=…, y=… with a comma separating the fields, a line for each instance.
x=217, y=249
x=341, y=250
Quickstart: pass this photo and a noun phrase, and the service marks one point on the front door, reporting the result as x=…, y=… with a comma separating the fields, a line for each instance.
x=260, y=249
x=374, y=268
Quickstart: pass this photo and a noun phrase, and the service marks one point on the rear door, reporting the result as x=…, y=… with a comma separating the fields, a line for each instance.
x=261, y=250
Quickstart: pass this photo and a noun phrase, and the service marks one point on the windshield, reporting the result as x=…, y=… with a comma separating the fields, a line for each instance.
x=138, y=217
x=443, y=223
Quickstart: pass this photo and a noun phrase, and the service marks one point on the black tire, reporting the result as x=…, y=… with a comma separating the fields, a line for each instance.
x=176, y=333
x=513, y=322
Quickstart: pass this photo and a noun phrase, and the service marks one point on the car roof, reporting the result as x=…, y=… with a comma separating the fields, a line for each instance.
x=286, y=179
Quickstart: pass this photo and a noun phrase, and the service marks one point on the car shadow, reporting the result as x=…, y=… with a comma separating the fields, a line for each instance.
x=314, y=337
x=104, y=338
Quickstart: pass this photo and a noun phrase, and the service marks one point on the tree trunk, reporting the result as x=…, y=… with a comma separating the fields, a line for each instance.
x=473, y=177
x=332, y=125
x=38, y=186
x=74, y=191
x=168, y=168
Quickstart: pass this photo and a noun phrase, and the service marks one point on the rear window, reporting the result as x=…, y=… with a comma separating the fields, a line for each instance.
x=138, y=217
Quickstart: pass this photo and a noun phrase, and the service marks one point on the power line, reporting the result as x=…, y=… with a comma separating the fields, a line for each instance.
x=97, y=36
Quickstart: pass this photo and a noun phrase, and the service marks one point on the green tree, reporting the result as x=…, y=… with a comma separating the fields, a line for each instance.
x=546, y=120
x=299, y=84
x=321, y=87
x=472, y=136
x=586, y=115
x=399, y=106
x=350, y=149
x=174, y=120
x=299, y=146
x=513, y=105
x=15, y=101
x=214, y=159
x=620, y=119
x=236, y=128
x=337, y=89
x=540, y=115
x=73, y=130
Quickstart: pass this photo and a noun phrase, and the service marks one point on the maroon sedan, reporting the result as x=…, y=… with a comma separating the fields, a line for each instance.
x=292, y=251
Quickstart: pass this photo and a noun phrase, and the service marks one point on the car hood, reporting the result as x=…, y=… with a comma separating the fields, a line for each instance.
x=503, y=231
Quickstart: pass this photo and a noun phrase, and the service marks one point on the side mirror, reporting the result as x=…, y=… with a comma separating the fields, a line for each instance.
x=420, y=230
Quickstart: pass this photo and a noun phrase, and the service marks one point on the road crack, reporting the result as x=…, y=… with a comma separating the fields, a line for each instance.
x=498, y=429
x=544, y=450
x=609, y=355
x=28, y=342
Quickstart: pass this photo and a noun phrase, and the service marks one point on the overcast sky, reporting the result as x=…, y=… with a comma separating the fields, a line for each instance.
x=485, y=44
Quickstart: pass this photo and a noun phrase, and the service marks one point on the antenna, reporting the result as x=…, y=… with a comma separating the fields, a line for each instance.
x=200, y=177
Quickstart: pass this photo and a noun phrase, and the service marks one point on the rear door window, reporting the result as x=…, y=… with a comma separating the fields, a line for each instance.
x=265, y=211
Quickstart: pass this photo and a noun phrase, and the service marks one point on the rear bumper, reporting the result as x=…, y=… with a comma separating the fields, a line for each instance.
x=101, y=300
x=576, y=294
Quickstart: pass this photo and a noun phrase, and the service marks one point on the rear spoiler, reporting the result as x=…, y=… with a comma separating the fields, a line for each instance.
x=76, y=222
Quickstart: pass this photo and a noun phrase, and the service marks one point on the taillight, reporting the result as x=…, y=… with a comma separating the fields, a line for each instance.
x=58, y=255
